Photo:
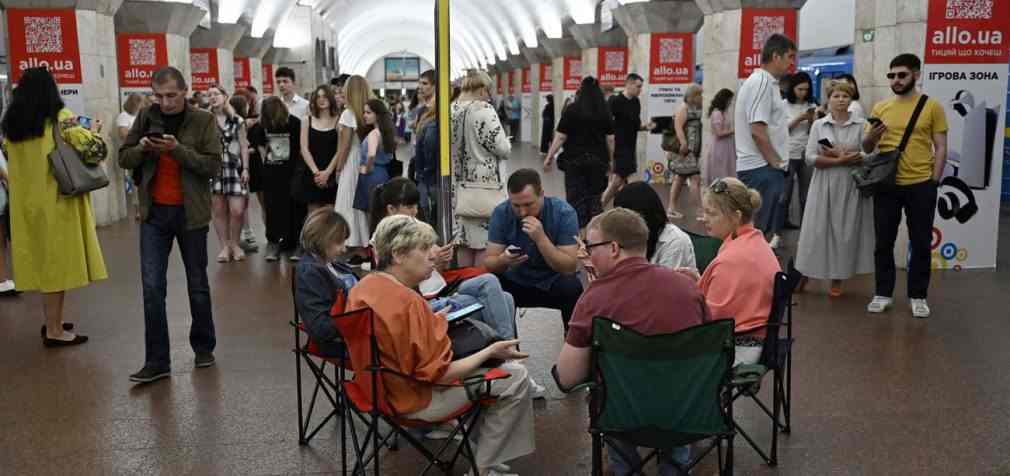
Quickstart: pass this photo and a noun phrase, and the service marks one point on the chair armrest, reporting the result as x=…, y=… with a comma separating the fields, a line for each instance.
x=557, y=381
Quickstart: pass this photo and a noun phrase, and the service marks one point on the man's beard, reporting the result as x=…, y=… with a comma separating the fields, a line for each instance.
x=902, y=91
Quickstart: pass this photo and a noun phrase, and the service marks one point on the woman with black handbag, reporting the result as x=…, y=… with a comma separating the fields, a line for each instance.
x=586, y=130
x=55, y=244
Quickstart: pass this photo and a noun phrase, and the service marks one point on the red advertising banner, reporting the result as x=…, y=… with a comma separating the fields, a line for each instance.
x=44, y=38
x=203, y=61
x=671, y=58
x=967, y=32
x=572, y=73
x=756, y=25
x=139, y=56
x=612, y=66
x=527, y=85
x=546, y=81
x=268, y=79
x=501, y=83
x=243, y=76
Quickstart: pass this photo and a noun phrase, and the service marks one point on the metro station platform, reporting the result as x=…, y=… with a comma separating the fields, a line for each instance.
x=873, y=395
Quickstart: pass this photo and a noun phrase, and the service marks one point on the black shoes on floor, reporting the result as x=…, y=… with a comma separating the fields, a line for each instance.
x=150, y=374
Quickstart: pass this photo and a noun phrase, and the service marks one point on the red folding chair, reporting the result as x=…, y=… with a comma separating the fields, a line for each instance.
x=366, y=401
x=308, y=353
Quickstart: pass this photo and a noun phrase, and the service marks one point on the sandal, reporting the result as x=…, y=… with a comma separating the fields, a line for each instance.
x=237, y=254
x=224, y=256
x=836, y=290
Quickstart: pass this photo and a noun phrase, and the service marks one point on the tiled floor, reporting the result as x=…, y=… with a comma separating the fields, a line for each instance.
x=873, y=394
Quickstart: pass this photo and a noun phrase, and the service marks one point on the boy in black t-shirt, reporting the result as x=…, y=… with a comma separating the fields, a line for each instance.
x=627, y=112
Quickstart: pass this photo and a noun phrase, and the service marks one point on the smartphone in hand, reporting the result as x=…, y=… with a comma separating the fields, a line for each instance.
x=874, y=121
x=825, y=142
x=514, y=250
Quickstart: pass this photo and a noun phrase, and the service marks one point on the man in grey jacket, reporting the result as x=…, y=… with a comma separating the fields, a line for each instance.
x=177, y=150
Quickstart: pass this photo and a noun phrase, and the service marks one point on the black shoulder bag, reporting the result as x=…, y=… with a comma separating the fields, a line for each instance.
x=878, y=171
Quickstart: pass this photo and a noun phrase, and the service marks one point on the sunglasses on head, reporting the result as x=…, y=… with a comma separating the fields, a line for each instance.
x=720, y=186
x=899, y=75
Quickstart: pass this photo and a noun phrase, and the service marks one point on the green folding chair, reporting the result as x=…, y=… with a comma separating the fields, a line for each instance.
x=705, y=249
x=661, y=391
x=776, y=359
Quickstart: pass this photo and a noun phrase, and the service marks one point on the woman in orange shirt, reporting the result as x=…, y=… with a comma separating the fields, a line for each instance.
x=413, y=340
x=739, y=283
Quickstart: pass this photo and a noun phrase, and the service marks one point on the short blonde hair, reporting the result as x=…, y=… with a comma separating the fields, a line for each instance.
x=625, y=227
x=693, y=89
x=398, y=234
x=475, y=80
x=322, y=228
x=730, y=195
x=842, y=86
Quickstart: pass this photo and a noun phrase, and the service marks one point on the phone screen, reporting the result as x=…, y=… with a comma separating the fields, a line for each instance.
x=513, y=250
x=466, y=311
x=84, y=121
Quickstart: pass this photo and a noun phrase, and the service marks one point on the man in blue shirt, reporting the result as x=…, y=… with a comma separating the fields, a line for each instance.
x=515, y=110
x=532, y=246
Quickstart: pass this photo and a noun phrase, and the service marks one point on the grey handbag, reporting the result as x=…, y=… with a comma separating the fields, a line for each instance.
x=878, y=171
x=73, y=176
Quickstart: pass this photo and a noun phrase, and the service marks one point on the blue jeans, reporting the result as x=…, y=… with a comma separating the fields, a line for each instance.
x=164, y=225
x=499, y=307
x=622, y=467
x=770, y=183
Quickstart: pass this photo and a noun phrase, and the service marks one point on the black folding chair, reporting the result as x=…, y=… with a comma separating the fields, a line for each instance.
x=776, y=358
x=661, y=391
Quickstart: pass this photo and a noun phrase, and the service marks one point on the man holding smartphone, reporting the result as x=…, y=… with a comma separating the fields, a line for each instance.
x=920, y=168
x=177, y=150
x=532, y=246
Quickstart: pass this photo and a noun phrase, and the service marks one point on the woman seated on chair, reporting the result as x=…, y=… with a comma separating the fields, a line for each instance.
x=668, y=245
x=321, y=281
x=739, y=283
x=413, y=341
x=400, y=196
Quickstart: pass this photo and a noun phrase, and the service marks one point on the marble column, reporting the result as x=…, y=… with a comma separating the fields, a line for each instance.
x=535, y=57
x=557, y=49
x=254, y=49
x=892, y=28
x=223, y=37
x=277, y=57
x=639, y=21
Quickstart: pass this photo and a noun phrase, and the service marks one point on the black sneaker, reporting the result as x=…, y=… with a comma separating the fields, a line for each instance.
x=273, y=252
x=204, y=359
x=148, y=375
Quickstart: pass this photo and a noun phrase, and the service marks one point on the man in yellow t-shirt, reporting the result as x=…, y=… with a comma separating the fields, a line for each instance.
x=914, y=192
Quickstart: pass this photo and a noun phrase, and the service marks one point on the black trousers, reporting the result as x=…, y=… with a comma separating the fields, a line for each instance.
x=918, y=202
x=562, y=295
x=284, y=214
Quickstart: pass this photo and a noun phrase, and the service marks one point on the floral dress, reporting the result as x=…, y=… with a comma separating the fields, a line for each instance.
x=479, y=145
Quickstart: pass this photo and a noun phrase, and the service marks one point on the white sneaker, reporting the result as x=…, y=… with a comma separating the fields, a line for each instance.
x=775, y=242
x=537, y=391
x=494, y=472
x=919, y=308
x=879, y=304
x=7, y=286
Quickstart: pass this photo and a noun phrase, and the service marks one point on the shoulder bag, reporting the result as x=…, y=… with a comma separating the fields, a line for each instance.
x=73, y=176
x=878, y=171
x=468, y=336
x=477, y=199
x=671, y=143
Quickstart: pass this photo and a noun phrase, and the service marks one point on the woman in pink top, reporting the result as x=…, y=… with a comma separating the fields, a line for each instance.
x=738, y=283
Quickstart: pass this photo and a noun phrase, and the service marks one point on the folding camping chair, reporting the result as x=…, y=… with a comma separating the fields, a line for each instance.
x=705, y=249
x=661, y=391
x=317, y=364
x=366, y=402
x=776, y=358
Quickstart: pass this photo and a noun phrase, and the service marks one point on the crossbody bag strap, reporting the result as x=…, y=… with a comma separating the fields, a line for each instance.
x=912, y=122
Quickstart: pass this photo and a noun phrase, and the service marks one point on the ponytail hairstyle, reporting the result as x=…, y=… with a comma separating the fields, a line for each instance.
x=397, y=192
x=730, y=195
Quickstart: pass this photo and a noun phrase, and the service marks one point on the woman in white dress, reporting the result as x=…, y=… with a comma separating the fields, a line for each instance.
x=357, y=92
x=479, y=146
x=837, y=237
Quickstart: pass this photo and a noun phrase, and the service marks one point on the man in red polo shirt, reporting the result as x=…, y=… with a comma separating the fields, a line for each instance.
x=647, y=298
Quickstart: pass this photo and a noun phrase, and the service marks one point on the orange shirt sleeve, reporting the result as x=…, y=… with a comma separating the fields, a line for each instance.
x=718, y=293
x=429, y=342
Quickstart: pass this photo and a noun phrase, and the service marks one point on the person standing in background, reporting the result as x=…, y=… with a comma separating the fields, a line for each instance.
x=124, y=121
x=288, y=87
x=721, y=160
x=178, y=150
x=801, y=111
x=357, y=93
x=684, y=163
x=515, y=109
x=762, y=133
x=547, y=125
x=315, y=184
x=228, y=199
x=376, y=152
x=855, y=107
x=627, y=112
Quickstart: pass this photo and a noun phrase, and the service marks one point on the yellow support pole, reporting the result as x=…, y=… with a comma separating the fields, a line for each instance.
x=443, y=93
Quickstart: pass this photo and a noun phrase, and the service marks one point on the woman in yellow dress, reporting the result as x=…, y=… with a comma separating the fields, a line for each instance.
x=55, y=246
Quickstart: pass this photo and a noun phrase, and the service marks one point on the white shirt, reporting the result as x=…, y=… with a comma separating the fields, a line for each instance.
x=125, y=119
x=298, y=107
x=674, y=249
x=857, y=110
x=759, y=100
x=797, y=136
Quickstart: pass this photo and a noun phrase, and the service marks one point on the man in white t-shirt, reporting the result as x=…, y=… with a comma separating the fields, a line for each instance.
x=288, y=86
x=762, y=148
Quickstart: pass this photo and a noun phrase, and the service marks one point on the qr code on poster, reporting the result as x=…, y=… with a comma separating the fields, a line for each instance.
x=969, y=9
x=671, y=50
x=44, y=34
x=237, y=65
x=614, y=61
x=765, y=27
x=576, y=69
x=200, y=62
x=142, y=52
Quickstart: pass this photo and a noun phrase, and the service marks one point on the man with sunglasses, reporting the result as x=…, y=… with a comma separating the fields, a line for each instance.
x=762, y=135
x=636, y=294
x=914, y=191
